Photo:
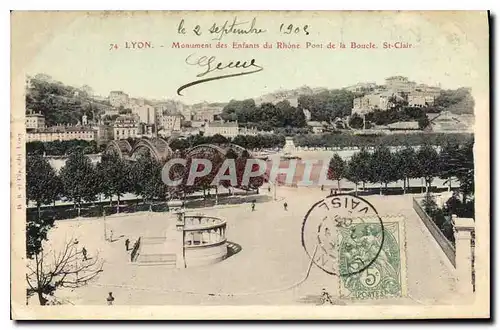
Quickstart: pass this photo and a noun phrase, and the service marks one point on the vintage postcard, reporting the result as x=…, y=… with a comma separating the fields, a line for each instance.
x=250, y=165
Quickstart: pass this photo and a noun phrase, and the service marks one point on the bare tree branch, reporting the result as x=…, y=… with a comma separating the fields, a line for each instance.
x=69, y=269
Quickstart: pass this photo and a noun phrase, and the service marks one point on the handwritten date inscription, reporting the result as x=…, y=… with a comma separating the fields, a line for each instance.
x=210, y=64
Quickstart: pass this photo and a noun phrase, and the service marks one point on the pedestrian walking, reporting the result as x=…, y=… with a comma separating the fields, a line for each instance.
x=110, y=298
x=285, y=206
x=127, y=243
x=111, y=236
x=269, y=189
x=253, y=206
x=84, y=252
x=326, y=297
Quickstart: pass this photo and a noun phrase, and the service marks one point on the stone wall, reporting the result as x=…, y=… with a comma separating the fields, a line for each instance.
x=442, y=241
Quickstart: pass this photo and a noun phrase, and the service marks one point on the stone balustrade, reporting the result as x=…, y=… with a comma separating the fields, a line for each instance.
x=464, y=248
x=203, y=231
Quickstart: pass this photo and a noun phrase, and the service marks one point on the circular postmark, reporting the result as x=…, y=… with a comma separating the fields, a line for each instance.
x=342, y=234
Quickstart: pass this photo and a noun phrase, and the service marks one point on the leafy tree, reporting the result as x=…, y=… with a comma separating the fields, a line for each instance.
x=33, y=147
x=59, y=103
x=406, y=161
x=328, y=105
x=61, y=148
x=336, y=169
x=219, y=139
x=43, y=186
x=114, y=177
x=155, y=187
x=244, y=110
x=398, y=113
x=179, y=144
x=266, y=117
x=79, y=179
x=354, y=170
x=464, y=169
x=382, y=166
x=145, y=179
x=372, y=140
x=423, y=122
x=428, y=160
x=363, y=159
x=459, y=101
x=447, y=157
x=356, y=121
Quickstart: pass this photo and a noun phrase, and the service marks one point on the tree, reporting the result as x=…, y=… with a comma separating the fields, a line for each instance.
x=364, y=166
x=464, y=169
x=382, y=166
x=219, y=139
x=353, y=170
x=79, y=179
x=327, y=105
x=66, y=269
x=35, y=147
x=155, y=188
x=114, y=176
x=43, y=186
x=423, y=122
x=356, y=121
x=428, y=163
x=59, y=103
x=406, y=161
x=336, y=169
x=447, y=157
x=457, y=101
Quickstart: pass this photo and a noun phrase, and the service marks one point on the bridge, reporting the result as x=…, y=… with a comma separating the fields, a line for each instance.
x=160, y=150
x=157, y=148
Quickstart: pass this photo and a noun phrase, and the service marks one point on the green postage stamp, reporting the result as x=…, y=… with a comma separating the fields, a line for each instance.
x=384, y=247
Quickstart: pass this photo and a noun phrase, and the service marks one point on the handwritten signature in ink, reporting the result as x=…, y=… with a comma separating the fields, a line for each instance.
x=210, y=64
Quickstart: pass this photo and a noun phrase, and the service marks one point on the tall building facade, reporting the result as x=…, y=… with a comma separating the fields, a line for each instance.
x=61, y=133
x=35, y=121
x=400, y=84
x=126, y=127
x=227, y=129
x=146, y=113
x=171, y=122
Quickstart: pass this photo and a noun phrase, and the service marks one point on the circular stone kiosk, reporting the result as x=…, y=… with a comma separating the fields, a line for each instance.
x=204, y=240
x=193, y=240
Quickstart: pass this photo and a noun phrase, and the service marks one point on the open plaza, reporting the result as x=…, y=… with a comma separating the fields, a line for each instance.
x=266, y=263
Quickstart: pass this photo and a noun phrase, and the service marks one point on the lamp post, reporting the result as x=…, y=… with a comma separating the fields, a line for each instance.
x=104, y=223
x=275, y=185
x=76, y=259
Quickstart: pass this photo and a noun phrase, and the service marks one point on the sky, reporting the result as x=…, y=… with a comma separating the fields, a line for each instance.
x=448, y=49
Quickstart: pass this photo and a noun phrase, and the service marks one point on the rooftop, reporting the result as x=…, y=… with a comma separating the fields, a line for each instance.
x=220, y=124
x=63, y=129
x=404, y=125
x=35, y=115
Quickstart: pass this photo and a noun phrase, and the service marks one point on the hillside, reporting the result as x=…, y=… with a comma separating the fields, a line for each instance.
x=458, y=101
x=60, y=103
x=281, y=95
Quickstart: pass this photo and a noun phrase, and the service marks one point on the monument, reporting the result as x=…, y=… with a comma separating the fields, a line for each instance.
x=190, y=240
